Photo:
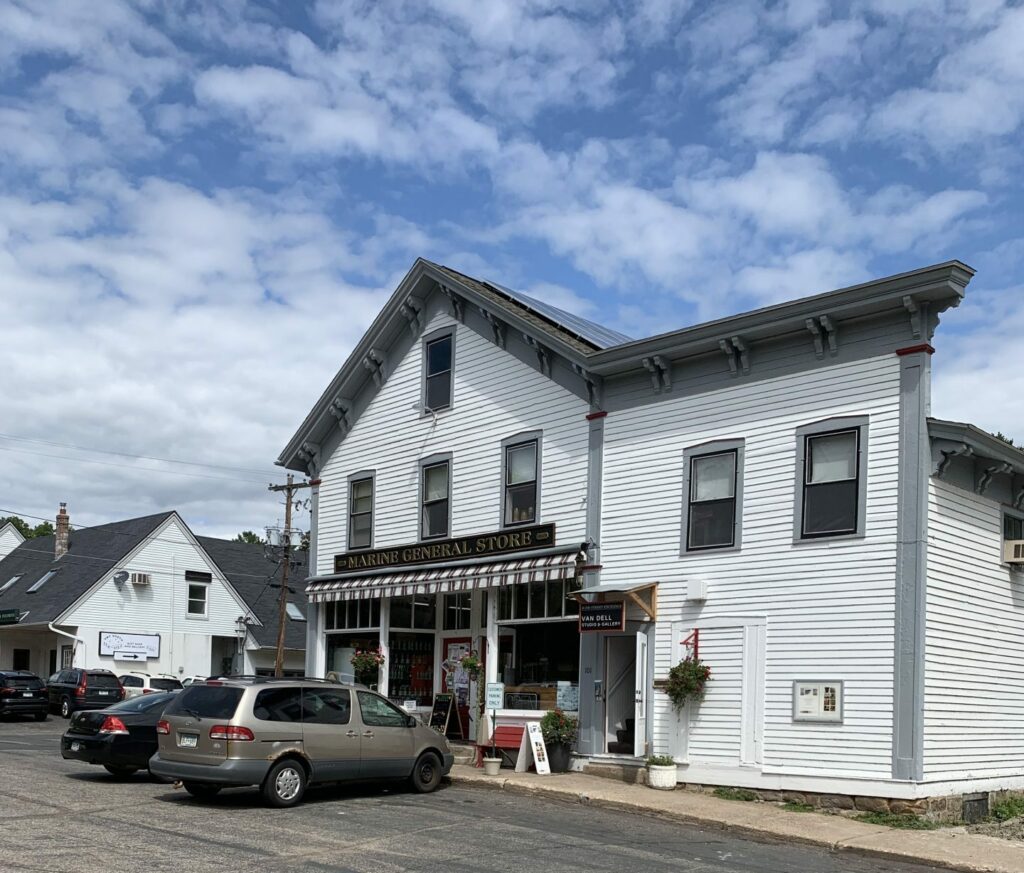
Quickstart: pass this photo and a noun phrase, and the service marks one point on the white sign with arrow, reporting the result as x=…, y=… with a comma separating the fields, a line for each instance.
x=144, y=645
x=130, y=656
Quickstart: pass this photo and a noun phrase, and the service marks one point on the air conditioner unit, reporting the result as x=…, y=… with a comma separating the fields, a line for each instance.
x=140, y=578
x=1013, y=551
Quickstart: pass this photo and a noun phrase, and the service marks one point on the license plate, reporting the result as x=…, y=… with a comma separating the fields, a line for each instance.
x=188, y=741
x=75, y=747
x=103, y=693
x=27, y=694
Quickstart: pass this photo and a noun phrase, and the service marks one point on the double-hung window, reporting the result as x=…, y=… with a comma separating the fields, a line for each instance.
x=831, y=488
x=360, y=513
x=711, y=519
x=521, y=483
x=198, y=593
x=435, y=500
x=437, y=390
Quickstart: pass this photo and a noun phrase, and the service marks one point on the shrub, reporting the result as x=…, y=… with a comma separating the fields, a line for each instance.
x=660, y=761
x=557, y=727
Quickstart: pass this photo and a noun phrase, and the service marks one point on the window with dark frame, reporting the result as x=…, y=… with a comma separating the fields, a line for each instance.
x=831, y=483
x=438, y=388
x=711, y=515
x=434, y=517
x=360, y=514
x=521, y=483
x=458, y=613
x=1013, y=527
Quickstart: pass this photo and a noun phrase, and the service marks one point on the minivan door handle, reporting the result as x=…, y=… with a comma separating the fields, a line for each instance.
x=368, y=734
x=351, y=734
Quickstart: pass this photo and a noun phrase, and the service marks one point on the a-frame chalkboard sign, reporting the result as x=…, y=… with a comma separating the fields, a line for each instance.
x=444, y=716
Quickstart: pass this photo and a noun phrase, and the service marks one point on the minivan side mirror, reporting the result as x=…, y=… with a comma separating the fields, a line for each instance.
x=410, y=721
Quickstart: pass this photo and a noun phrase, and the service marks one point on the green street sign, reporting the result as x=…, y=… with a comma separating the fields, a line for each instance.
x=9, y=616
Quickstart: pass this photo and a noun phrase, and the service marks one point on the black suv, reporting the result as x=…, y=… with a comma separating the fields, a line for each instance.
x=72, y=690
x=23, y=693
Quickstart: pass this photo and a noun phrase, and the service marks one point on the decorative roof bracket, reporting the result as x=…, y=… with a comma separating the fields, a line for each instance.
x=730, y=355
x=962, y=450
x=458, y=304
x=661, y=373
x=543, y=354
x=310, y=453
x=339, y=408
x=593, y=383
x=743, y=353
x=497, y=327
x=1018, y=493
x=374, y=362
x=413, y=314
x=737, y=353
x=815, y=329
x=988, y=474
x=830, y=331
x=916, y=316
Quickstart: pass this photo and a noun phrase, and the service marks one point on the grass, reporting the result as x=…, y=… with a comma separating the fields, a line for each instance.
x=735, y=794
x=793, y=806
x=1012, y=807
x=905, y=820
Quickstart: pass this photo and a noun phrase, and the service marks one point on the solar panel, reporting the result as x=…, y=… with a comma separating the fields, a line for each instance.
x=589, y=331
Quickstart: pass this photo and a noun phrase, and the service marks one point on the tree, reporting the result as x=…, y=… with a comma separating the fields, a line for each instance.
x=999, y=435
x=43, y=529
x=248, y=536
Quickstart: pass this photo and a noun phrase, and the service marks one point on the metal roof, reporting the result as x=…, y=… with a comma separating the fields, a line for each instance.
x=594, y=333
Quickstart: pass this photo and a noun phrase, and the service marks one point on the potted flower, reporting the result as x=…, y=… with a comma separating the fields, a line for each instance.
x=559, y=731
x=686, y=681
x=661, y=772
x=366, y=663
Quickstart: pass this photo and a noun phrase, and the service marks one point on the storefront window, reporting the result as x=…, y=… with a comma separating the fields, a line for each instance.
x=341, y=648
x=351, y=614
x=458, y=610
x=415, y=611
x=537, y=600
x=540, y=664
x=411, y=668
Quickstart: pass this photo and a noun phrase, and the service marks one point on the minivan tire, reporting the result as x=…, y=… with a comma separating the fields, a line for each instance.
x=202, y=790
x=426, y=775
x=65, y=708
x=285, y=783
x=120, y=770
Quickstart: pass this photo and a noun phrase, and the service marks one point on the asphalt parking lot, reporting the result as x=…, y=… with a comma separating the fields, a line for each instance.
x=66, y=816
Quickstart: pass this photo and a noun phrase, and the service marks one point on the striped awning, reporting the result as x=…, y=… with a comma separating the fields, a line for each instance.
x=443, y=579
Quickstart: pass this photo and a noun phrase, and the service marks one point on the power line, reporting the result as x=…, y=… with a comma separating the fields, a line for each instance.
x=8, y=436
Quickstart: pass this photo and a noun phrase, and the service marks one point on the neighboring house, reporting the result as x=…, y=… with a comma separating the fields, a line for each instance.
x=768, y=486
x=141, y=594
x=10, y=539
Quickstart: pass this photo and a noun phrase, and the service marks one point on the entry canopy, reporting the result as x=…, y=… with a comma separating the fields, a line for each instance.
x=549, y=568
x=643, y=594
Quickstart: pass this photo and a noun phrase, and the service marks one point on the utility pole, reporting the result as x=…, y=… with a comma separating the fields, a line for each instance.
x=290, y=488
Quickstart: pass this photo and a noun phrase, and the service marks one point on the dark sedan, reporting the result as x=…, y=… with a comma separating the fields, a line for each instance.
x=121, y=737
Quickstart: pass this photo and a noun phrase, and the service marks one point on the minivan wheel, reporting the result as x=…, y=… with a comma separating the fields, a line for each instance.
x=426, y=775
x=285, y=783
x=65, y=708
x=121, y=770
x=202, y=790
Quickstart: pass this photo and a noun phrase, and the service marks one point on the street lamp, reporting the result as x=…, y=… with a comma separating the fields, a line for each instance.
x=241, y=631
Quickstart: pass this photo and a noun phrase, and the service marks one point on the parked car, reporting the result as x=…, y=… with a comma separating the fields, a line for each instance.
x=77, y=689
x=137, y=683
x=192, y=680
x=121, y=737
x=283, y=734
x=22, y=693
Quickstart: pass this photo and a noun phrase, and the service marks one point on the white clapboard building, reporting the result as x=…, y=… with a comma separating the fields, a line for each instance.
x=769, y=489
x=144, y=594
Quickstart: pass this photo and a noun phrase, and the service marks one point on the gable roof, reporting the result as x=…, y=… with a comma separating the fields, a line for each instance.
x=257, y=581
x=93, y=552
x=8, y=528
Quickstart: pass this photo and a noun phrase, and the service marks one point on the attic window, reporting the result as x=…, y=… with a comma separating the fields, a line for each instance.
x=294, y=613
x=46, y=577
x=438, y=374
x=10, y=582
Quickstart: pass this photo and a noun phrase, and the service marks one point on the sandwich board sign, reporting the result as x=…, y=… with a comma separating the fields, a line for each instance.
x=532, y=747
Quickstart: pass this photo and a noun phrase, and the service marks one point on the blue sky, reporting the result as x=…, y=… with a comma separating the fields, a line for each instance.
x=204, y=204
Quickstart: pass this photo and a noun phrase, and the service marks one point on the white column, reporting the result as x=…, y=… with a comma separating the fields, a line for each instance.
x=385, y=647
x=491, y=666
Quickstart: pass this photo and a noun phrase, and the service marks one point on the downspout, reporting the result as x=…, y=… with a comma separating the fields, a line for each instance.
x=70, y=637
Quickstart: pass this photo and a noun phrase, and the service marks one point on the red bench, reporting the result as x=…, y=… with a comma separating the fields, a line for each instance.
x=507, y=737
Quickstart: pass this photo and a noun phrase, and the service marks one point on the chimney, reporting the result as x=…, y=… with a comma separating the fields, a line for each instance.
x=60, y=540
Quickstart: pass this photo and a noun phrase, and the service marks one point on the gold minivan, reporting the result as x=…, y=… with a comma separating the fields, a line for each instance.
x=284, y=734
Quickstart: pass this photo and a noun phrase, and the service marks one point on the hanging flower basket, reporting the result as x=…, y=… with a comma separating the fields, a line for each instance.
x=472, y=665
x=687, y=681
x=367, y=661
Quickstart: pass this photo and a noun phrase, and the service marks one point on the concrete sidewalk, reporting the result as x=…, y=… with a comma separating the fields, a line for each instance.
x=946, y=847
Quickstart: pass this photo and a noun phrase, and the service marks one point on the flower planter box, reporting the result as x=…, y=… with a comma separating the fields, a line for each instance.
x=662, y=777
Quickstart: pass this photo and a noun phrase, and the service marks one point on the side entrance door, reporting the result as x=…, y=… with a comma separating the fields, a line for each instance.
x=640, y=696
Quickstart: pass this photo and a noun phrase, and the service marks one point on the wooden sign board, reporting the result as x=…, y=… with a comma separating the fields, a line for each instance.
x=532, y=748
x=441, y=714
x=597, y=617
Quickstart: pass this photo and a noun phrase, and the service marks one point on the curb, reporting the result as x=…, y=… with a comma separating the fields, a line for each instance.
x=849, y=846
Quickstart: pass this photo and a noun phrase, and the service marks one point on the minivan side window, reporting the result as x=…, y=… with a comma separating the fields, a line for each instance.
x=206, y=701
x=131, y=681
x=278, y=704
x=377, y=712
x=326, y=706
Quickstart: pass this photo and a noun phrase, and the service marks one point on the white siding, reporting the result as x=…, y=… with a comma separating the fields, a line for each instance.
x=717, y=723
x=495, y=396
x=159, y=608
x=974, y=694
x=829, y=606
x=10, y=539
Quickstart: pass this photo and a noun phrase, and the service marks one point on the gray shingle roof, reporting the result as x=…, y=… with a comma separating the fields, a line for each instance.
x=257, y=580
x=93, y=552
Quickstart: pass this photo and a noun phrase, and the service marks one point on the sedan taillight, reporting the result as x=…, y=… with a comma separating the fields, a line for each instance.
x=113, y=725
x=231, y=732
x=163, y=727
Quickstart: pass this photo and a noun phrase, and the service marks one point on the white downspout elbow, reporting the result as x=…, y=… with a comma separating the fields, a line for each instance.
x=70, y=637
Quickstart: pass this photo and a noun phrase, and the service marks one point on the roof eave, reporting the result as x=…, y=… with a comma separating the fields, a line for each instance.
x=983, y=443
x=941, y=284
